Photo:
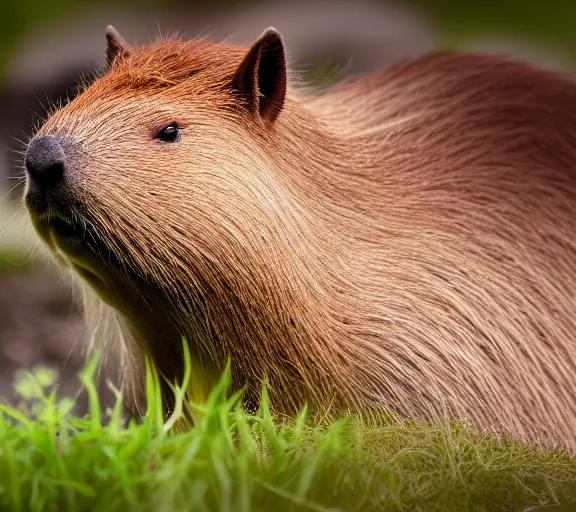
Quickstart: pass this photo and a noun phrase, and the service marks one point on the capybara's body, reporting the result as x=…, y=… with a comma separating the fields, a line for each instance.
x=406, y=240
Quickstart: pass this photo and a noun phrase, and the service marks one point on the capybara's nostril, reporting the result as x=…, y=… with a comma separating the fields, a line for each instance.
x=45, y=160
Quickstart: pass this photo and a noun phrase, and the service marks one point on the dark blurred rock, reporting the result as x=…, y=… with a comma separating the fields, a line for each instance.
x=362, y=35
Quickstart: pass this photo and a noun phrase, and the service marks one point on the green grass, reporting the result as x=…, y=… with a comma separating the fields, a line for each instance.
x=234, y=461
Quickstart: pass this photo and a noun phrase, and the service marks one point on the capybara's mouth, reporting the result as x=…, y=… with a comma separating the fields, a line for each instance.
x=76, y=244
x=69, y=234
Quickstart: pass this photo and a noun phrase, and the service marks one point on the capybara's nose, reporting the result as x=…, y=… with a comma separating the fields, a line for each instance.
x=45, y=161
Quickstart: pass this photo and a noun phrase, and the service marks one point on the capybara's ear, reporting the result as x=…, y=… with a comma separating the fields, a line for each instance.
x=116, y=46
x=261, y=77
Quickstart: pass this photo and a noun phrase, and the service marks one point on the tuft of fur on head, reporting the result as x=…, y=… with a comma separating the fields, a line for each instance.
x=404, y=241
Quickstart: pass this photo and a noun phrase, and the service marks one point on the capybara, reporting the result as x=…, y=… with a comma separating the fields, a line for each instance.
x=405, y=241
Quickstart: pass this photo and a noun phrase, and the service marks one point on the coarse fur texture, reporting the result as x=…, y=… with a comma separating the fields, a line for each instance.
x=406, y=240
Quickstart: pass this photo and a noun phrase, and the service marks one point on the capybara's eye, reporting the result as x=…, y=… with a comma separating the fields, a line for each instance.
x=170, y=133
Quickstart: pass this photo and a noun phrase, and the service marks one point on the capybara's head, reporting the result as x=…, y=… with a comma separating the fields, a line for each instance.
x=158, y=186
x=140, y=173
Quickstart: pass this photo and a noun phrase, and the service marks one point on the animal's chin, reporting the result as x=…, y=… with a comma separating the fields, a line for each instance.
x=78, y=246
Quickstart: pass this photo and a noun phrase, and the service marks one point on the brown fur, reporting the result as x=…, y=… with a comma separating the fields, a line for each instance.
x=405, y=240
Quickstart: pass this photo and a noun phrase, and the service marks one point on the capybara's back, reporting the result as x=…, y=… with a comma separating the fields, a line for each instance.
x=405, y=241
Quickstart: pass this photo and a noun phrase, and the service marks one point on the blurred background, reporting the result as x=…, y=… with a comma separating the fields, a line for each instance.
x=46, y=45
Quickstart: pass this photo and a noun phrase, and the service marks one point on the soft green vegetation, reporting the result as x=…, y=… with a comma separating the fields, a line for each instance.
x=234, y=461
x=13, y=253
x=547, y=24
x=12, y=259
